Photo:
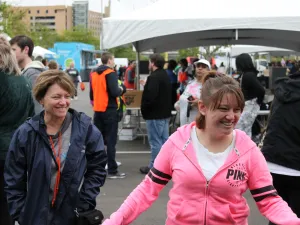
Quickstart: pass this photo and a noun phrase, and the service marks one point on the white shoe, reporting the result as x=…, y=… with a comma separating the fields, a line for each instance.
x=118, y=163
x=75, y=98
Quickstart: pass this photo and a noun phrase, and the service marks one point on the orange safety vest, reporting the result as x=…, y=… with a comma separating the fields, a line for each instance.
x=126, y=82
x=100, y=91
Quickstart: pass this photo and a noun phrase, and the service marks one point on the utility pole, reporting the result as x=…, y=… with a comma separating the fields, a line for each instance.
x=1, y=20
x=101, y=30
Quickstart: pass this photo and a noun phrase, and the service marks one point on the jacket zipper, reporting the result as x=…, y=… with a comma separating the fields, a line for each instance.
x=207, y=184
x=206, y=199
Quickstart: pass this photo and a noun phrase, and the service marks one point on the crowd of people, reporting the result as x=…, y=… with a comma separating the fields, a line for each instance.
x=54, y=160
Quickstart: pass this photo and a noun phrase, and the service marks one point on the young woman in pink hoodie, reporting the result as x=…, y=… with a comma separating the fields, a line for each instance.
x=211, y=165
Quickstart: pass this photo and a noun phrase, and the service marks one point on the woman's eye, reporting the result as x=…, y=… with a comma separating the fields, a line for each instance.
x=237, y=110
x=223, y=109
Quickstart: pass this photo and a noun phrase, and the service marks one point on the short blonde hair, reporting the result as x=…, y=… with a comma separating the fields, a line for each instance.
x=52, y=65
x=8, y=60
x=50, y=77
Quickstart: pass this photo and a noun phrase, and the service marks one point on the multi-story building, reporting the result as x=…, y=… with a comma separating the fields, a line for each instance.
x=94, y=23
x=60, y=18
x=81, y=13
x=57, y=18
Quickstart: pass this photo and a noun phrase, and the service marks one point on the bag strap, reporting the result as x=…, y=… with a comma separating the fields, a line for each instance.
x=261, y=143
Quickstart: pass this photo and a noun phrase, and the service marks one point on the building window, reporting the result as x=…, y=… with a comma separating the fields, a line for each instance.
x=29, y=11
x=31, y=17
x=55, y=11
x=47, y=11
x=38, y=11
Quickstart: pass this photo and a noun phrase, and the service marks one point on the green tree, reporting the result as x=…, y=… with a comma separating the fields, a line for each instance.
x=125, y=51
x=80, y=34
x=13, y=20
x=183, y=53
x=212, y=51
x=43, y=36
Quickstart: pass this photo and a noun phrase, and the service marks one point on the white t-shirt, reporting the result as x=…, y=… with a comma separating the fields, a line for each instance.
x=210, y=162
x=194, y=89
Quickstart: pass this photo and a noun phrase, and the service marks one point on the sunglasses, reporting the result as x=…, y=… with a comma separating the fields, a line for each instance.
x=201, y=65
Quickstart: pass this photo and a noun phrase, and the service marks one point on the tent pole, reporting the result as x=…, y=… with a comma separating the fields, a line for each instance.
x=236, y=34
x=230, y=66
x=137, y=69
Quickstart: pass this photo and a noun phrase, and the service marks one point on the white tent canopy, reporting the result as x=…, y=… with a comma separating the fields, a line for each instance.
x=239, y=49
x=38, y=51
x=175, y=24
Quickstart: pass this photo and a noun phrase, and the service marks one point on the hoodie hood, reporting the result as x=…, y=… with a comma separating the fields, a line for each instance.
x=287, y=89
x=182, y=138
x=36, y=65
x=102, y=68
x=244, y=63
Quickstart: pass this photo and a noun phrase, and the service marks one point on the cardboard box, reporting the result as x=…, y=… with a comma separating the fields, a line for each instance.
x=128, y=131
x=127, y=134
x=127, y=138
x=133, y=98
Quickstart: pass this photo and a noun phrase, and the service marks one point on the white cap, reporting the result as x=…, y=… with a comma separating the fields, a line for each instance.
x=203, y=61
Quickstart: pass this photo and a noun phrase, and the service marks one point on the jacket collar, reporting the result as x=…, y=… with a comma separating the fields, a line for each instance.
x=37, y=121
x=183, y=141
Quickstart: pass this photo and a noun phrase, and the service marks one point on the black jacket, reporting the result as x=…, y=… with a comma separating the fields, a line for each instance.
x=282, y=141
x=112, y=85
x=251, y=87
x=157, y=96
x=16, y=105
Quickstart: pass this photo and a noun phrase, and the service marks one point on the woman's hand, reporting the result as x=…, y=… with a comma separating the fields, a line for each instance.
x=194, y=102
x=142, y=82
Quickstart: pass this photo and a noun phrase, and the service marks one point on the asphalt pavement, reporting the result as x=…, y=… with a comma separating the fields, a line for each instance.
x=115, y=192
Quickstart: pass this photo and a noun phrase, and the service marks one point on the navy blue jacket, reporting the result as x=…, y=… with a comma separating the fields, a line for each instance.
x=28, y=170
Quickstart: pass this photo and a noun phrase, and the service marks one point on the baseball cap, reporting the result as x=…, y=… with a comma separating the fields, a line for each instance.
x=203, y=61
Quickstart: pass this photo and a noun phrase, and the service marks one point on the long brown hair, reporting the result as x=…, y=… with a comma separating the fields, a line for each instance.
x=214, y=87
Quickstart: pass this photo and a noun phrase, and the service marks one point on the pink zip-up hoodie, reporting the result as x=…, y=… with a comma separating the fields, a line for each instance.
x=196, y=201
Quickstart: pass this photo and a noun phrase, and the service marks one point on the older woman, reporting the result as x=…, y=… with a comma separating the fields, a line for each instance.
x=55, y=163
x=189, y=99
x=16, y=106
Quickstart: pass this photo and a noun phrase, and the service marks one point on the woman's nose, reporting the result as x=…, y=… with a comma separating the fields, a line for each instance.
x=63, y=101
x=230, y=114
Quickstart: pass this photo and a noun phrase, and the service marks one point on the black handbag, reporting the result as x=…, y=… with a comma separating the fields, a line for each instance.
x=92, y=217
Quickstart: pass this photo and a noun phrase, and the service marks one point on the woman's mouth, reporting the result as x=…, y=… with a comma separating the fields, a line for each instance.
x=227, y=124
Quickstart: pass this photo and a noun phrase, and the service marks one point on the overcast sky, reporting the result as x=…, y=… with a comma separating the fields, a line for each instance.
x=118, y=6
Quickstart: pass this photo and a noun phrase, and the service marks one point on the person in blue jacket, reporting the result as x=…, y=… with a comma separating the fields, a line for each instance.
x=56, y=161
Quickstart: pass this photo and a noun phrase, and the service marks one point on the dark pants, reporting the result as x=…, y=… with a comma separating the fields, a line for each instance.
x=107, y=123
x=288, y=188
x=76, y=87
x=174, y=94
x=4, y=215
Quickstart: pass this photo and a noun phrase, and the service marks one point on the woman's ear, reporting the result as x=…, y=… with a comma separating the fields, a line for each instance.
x=42, y=102
x=202, y=108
